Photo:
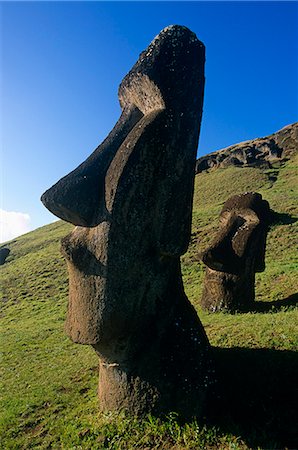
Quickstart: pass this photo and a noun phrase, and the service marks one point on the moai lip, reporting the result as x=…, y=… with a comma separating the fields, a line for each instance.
x=236, y=254
x=132, y=203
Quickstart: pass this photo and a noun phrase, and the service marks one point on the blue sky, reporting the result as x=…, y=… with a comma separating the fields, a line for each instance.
x=62, y=62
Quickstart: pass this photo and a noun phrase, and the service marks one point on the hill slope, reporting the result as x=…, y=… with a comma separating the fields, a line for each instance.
x=268, y=152
x=48, y=394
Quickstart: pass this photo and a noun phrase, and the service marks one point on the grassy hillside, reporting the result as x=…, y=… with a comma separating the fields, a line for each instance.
x=48, y=389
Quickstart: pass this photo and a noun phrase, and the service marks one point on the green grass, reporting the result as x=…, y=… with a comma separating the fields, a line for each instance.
x=48, y=384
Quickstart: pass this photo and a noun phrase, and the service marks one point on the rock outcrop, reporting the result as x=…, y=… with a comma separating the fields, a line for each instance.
x=132, y=203
x=263, y=152
x=236, y=254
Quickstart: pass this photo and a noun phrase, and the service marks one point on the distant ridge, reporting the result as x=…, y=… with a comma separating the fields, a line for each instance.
x=261, y=152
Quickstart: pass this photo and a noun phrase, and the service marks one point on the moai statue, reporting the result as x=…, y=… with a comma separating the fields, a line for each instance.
x=236, y=254
x=131, y=202
x=4, y=252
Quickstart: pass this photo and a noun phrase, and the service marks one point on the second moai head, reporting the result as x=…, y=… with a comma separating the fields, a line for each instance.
x=236, y=254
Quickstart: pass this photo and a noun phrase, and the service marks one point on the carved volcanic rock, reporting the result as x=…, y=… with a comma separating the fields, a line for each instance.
x=4, y=252
x=132, y=202
x=276, y=148
x=236, y=254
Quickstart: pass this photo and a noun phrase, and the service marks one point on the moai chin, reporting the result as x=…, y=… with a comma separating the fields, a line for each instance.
x=236, y=254
x=131, y=202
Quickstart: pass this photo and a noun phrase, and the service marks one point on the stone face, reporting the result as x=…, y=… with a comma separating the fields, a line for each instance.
x=236, y=254
x=4, y=252
x=263, y=152
x=132, y=203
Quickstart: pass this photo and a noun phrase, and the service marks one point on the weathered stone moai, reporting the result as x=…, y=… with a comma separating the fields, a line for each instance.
x=132, y=203
x=236, y=254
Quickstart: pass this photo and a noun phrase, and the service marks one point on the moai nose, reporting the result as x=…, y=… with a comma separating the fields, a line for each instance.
x=79, y=197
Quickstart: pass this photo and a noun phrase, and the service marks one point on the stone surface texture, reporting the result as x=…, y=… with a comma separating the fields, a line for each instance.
x=262, y=152
x=132, y=203
x=236, y=254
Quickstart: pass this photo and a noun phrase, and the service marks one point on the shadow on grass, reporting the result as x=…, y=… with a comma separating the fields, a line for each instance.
x=282, y=218
x=257, y=396
x=263, y=307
